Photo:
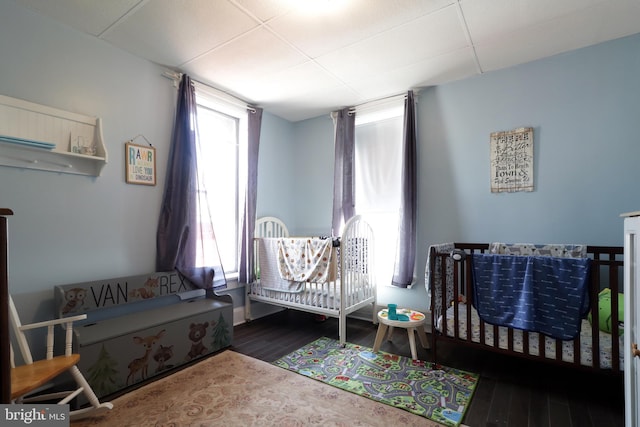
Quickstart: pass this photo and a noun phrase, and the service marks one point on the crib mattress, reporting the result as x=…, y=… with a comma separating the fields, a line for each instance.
x=586, y=355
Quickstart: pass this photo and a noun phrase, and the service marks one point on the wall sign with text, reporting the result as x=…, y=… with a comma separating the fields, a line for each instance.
x=140, y=163
x=512, y=160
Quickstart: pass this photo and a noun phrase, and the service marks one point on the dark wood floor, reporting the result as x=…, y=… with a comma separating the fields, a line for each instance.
x=511, y=392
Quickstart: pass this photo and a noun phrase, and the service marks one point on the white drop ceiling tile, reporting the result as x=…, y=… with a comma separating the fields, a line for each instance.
x=525, y=46
x=295, y=113
x=490, y=19
x=381, y=46
x=170, y=33
x=299, y=80
x=326, y=100
x=265, y=10
x=428, y=36
x=314, y=104
x=319, y=33
x=89, y=16
x=582, y=28
x=625, y=15
x=247, y=58
x=433, y=71
x=377, y=88
x=510, y=51
x=447, y=68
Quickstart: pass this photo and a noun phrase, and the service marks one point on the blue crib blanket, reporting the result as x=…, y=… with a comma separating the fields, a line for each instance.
x=533, y=293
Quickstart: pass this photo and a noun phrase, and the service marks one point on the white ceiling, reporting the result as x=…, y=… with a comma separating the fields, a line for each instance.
x=299, y=63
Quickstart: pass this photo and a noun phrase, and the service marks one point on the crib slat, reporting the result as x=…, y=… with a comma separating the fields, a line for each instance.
x=468, y=293
x=595, y=313
x=456, y=320
x=444, y=297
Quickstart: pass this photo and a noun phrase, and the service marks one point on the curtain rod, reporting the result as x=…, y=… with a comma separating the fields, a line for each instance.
x=377, y=102
x=175, y=77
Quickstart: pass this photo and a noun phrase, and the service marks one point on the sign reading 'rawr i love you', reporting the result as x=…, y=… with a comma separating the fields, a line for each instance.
x=140, y=163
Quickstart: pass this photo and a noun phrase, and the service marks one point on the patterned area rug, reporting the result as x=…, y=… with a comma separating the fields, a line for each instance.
x=436, y=392
x=231, y=389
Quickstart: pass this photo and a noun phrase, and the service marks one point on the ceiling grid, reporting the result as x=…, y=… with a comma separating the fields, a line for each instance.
x=299, y=64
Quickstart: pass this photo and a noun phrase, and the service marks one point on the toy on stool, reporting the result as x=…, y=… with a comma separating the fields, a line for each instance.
x=391, y=310
x=393, y=315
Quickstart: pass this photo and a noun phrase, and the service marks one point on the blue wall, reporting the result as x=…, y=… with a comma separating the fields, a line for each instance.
x=275, y=183
x=69, y=228
x=582, y=105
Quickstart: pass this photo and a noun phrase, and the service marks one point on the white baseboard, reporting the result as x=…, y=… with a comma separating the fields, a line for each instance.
x=238, y=316
x=258, y=310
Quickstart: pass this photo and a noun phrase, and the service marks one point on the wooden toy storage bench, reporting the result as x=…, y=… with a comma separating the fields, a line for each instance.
x=139, y=326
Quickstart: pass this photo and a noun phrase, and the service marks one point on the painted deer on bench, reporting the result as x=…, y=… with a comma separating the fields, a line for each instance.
x=142, y=364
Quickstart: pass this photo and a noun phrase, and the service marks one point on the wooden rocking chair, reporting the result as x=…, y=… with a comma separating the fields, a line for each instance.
x=35, y=376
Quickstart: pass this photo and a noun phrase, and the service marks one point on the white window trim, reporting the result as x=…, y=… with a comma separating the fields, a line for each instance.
x=221, y=102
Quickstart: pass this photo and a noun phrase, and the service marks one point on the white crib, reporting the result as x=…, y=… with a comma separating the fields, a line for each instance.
x=353, y=287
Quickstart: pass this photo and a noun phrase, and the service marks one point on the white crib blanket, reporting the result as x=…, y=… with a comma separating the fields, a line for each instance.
x=269, y=272
x=306, y=259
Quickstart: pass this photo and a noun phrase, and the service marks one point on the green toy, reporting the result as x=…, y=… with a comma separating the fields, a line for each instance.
x=604, y=311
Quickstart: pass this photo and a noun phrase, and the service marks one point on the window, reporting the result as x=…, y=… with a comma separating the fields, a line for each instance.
x=222, y=162
x=377, y=177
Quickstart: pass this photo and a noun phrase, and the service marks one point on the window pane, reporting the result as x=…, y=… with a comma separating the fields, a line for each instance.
x=378, y=165
x=219, y=160
x=378, y=168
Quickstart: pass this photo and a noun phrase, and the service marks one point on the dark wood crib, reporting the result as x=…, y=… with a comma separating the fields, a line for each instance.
x=454, y=319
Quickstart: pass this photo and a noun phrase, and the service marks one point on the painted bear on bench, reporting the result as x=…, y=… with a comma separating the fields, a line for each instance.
x=197, y=332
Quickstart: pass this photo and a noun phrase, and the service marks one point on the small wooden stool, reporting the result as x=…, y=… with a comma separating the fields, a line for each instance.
x=414, y=324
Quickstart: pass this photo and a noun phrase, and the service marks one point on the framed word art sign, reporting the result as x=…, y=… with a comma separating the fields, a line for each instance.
x=140, y=163
x=512, y=160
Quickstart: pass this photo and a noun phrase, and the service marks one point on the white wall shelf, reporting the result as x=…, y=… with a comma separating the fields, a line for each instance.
x=72, y=134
